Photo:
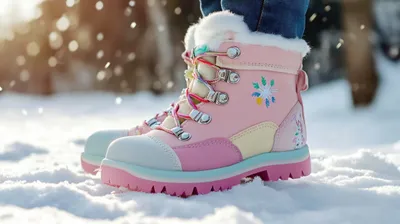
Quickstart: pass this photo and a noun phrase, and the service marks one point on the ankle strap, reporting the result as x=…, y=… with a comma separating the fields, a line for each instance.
x=265, y=58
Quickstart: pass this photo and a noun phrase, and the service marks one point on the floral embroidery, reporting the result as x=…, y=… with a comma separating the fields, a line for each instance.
x=298, y=139
x=265, y=93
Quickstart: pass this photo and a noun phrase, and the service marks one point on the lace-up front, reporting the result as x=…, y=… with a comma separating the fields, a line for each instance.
x=195, y=58
x=154, y=121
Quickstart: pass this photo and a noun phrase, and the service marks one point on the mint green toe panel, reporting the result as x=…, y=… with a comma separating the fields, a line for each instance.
x=98, y=142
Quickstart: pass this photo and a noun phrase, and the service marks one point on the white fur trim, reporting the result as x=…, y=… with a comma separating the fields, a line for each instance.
x=189, y=37
x=212, y=31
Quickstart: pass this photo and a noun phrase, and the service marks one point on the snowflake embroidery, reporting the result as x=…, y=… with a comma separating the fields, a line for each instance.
x=264, y=93
x=298, y=139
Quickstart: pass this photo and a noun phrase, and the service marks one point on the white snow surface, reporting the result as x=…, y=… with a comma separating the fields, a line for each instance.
x=355, y=161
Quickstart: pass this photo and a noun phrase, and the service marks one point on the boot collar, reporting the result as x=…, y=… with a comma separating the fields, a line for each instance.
x=220, y=27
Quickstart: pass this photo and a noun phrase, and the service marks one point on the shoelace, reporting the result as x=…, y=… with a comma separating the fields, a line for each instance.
x=154, y=120
x=189, y=96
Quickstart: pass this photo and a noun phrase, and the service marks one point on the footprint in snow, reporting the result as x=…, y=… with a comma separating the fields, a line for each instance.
x=79, y=142
x=18, y=151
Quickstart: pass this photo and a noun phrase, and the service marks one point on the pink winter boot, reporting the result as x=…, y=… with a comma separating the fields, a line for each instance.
x=97, y=144
x=242, y=117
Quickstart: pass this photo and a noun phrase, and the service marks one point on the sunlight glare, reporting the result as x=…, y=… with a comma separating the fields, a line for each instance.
x=17, y=11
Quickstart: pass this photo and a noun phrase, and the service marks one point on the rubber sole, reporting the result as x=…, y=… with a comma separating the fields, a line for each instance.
x=90, y=164
x=268, y=166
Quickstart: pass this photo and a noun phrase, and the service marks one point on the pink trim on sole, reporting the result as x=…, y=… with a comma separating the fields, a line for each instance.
x=89, y=168
x=120, y=178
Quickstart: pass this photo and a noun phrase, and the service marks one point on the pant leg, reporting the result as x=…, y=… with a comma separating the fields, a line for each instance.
x=281, y=17
x=210, y=6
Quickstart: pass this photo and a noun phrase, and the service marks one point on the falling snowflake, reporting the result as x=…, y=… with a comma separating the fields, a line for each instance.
x=118, y=100
x=99, y=5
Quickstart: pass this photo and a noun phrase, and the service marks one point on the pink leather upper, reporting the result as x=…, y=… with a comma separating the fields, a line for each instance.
x=209, y=154
x=261, y=58
x=242, y=111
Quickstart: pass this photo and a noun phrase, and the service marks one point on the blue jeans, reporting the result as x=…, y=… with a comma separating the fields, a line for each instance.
x=281, y=17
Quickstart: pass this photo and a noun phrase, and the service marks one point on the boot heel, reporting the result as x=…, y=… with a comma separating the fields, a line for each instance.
x=286, y=171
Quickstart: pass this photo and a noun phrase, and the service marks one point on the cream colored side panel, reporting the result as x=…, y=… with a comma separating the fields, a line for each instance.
x=256, y=139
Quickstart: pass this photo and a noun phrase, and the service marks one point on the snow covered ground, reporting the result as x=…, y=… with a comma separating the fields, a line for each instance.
x=355, y=159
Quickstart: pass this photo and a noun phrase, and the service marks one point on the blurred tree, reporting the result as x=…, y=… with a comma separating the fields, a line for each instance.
x=357, y=22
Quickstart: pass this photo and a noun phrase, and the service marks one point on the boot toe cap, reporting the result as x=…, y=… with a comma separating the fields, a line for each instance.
x=144, y=151
x=98, y=142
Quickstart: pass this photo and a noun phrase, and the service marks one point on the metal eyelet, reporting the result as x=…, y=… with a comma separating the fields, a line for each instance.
x=180, y=134
x=169, y=110
x=223, y=98
x=228, y=76
x=234, y=78
x=233, y=52
x=218, y=97
x=152, y=123
x=200, y=117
